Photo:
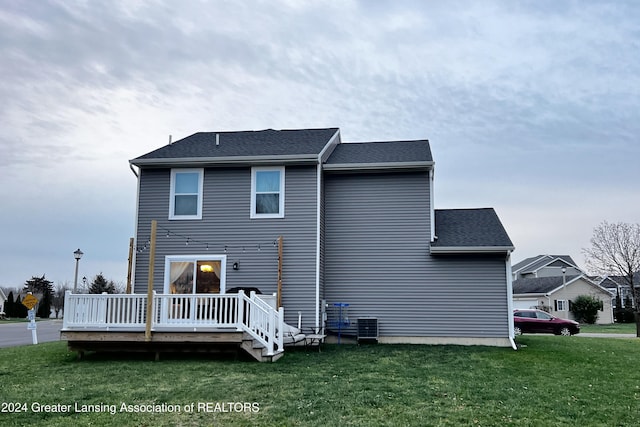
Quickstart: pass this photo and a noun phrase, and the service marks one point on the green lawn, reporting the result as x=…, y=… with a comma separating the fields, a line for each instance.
x=614, y=328
x=550, y=381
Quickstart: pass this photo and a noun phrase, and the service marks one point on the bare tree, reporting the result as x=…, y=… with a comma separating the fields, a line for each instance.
x=58, y=297
x=615, y=250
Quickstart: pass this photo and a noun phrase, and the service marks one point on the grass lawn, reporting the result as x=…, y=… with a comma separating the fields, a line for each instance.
x=550, y=381
x=615, y=328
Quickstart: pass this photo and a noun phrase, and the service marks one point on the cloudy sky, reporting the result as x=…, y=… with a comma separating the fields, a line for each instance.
x=532, y=108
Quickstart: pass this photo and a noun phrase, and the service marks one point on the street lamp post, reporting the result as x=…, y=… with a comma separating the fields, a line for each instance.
x=77, y=255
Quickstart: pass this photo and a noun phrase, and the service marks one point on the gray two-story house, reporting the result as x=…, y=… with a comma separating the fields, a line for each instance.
x=323, y=223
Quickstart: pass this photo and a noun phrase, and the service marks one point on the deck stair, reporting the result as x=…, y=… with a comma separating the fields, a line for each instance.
x=258, y=351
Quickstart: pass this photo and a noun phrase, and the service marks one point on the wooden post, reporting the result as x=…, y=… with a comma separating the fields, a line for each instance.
x=152, y=256
x=279, y=302
x=130, y=267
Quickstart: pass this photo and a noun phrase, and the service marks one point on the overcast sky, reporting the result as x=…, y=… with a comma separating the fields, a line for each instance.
x=532, y=108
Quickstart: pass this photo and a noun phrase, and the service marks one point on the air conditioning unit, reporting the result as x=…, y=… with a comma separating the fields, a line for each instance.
x=368, y=328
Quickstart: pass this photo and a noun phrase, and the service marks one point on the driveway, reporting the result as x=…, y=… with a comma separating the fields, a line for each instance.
x=15, y=334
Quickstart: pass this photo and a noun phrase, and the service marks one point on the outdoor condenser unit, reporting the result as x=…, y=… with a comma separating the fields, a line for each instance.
x=368, y=328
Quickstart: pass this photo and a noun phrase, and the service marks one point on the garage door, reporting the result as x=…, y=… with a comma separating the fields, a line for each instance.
x=524, y=304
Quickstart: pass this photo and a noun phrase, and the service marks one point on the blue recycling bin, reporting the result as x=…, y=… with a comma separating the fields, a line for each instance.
x=340, y=317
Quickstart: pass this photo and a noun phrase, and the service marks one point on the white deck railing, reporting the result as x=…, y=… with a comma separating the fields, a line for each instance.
x=176, y=312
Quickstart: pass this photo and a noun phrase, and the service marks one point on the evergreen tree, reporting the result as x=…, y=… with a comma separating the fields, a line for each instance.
x=9, y=306
x=20, y=310
x=100, y=285
x=42, y=288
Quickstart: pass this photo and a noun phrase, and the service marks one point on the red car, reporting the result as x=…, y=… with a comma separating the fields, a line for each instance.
x=541, y=322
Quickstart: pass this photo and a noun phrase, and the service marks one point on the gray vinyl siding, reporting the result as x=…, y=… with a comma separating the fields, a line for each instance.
x=226, y=222
x=377, y=234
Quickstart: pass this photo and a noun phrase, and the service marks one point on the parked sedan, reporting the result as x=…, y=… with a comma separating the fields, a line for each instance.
x=541, y=322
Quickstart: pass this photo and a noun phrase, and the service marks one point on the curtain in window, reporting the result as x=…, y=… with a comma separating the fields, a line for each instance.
x=180, y=281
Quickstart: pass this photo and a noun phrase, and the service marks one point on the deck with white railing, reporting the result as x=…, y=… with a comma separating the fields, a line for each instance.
x=250, y=320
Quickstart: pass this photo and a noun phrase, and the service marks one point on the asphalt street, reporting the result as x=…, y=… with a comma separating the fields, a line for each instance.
x=16, y=334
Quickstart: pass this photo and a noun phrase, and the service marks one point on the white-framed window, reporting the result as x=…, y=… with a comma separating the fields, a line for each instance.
x=195, y=274
x=186, y=194
x=267, y=192
x=561, y=305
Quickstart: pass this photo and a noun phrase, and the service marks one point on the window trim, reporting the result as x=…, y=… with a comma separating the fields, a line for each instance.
x=195, y=258
x=561, y=302
x=281, y=193
x=172, y=194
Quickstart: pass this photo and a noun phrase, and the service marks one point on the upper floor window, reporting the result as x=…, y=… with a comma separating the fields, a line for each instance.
x=186, y=194
x=267, y=192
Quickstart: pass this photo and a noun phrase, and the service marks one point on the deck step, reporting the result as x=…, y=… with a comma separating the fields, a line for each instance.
x=258, y=351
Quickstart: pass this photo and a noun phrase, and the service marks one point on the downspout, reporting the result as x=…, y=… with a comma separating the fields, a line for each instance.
x=135, y=232
x=133, y=170
x=328, y=148
x=431, y=205
x=507, y=263
x=318, y=248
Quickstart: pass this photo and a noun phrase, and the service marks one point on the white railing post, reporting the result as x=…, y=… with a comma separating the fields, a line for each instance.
x=280, y=336
x=240, y=310
x=154, y=310
x=254, y=315
x=271, y=331
x=70, y=310
x=102, y=309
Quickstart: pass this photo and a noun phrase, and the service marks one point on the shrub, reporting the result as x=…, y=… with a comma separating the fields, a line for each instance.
x=585, y=309
x=624, y=315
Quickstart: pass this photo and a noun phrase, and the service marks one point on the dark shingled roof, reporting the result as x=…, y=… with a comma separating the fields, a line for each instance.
x=469, y=228
x=539, y=285
x=244, y=144
x=613, y=280
x=381, y=152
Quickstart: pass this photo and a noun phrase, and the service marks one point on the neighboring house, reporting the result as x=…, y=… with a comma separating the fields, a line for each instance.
x=617, y=285
x=554, y=294
x=545, y=266
x=357, y=223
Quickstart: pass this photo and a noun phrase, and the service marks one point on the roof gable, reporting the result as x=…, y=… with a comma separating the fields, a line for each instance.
x=533, y=264
x=469, y=230
x=220, y=147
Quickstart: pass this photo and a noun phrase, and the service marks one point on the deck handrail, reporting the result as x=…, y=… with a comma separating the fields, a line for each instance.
x=262, y=322
x=244, y=313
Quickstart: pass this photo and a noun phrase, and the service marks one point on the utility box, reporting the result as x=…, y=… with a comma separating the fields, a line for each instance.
x=368, y=329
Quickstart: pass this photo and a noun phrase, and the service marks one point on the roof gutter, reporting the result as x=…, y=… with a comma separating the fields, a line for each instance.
x=470, y=249
x=534, y=294
x=378, y=166
x=230, y=160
